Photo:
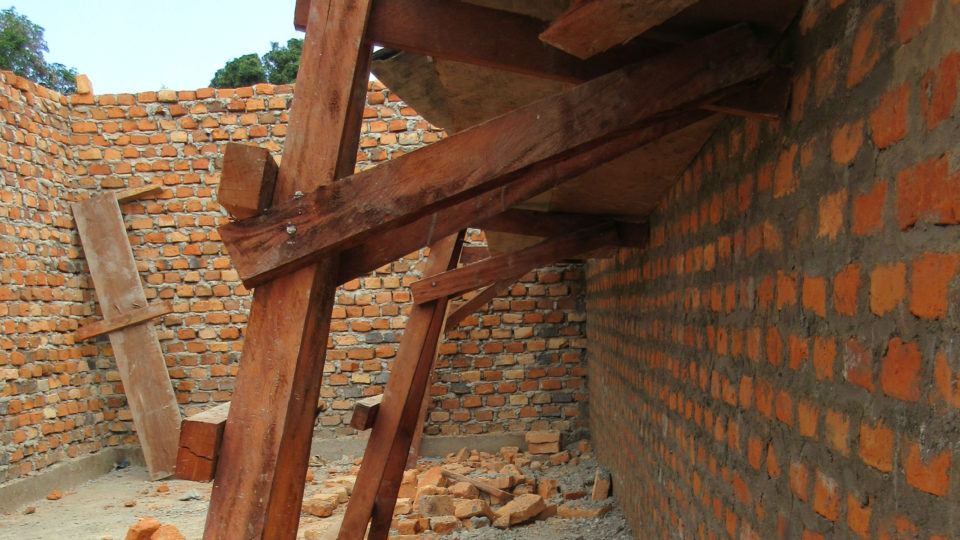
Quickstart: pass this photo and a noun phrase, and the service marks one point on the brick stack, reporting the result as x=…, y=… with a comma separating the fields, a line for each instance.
x=781, y=363
x=517, y=366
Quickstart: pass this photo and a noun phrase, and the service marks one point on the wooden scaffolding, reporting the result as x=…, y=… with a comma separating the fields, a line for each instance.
x=312, y=223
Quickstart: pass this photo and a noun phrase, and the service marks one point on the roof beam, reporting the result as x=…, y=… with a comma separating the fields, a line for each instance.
x=493, y=154
x=593, y=26
x=536, y=223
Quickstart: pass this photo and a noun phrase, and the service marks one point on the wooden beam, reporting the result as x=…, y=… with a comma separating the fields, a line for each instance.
x=593, y=26
x=764, y=100
x=123, y=320
x=365, y=412
x=258, y=489
x=140, y=362
x=479, y=300
x=367, y=257
x=200, y=438
x=300, y=12
x=247, y=180
x=383, y=461
x=512, y=265
x=488, y=156
x=479, y=484
x=472, y=254
x=535, y=223
x=130, y=194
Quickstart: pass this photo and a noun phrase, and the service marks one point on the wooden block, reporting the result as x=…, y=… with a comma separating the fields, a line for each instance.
x=124, y=320
x=137, y=192
x=247, y=181
x=488, y=156
x=365, y=412
x=200, y=437
x=143, y=371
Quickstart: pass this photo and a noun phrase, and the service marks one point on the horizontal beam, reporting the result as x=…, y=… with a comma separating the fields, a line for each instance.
x=479, y=300
x=513, y=265
x=590, y=27
x=117, y=322
x=493, y=154
x=536, y=223
x=365, y=412
x=130, y=194
x=365, y=258
x=247, y=180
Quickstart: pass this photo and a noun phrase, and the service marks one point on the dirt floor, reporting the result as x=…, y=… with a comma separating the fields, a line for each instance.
x=107, y=507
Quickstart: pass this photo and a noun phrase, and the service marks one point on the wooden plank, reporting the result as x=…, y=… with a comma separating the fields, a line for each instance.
x=300, y=12
x=765, y=100
x=488, y=156
x=512, y=265
x=365, y=412
x=123, y=320
x=130, y=194
x=365, y=258
x=200, y=438
x=535, y=223
x=472, y=254
x=146, y=382
x=386, y=453
x=258, y=489
x=248, y=179
x=593, y=26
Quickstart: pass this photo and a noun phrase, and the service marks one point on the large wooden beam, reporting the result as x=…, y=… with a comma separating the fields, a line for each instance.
x=535, y=223
x=123, y=320
x=593, y=26
x=247, y=181
x=490, y=155
x=386, y=453
x=479, y=300
x=513, y=265
x=365, y=412
x=200, y=438
x=365, y=258
x=258, y=489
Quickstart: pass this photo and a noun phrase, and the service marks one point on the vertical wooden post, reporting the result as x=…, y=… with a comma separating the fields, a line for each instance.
x=375, y=491
x=259, y=482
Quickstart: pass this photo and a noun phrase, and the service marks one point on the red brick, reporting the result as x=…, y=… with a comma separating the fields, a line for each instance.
x=930, y=278
x=815, y=295
x=846, y=143
x=858, y=365
x=887, y=285
x=914, y=16
x=837, y=428
x=868, y=210
x=866, y=46
x=931, y=474
x=900, y=370
x=926, y=193
x=824, y=355
x=832, y=214
x=858, y=516
x=799, y=480
x=846, y=284
x=785, y=178
x=826, y=497
x=888, y=122
x=876, y=446
x=938, y=90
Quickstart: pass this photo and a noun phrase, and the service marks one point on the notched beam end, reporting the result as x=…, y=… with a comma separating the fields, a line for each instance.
x=119, y=322
x=365, y=412
x=137, y=192
x=248, y=180
x=300, y=15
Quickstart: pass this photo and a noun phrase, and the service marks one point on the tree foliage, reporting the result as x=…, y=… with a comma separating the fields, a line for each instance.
x=279, y=65
x=22, y=49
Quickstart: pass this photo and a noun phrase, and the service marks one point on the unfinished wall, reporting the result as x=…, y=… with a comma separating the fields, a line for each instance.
x=518, y=366
x=782, y=361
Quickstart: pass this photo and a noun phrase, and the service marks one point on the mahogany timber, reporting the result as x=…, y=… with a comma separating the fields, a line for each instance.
x=124, y=320
x=200, y=437
x=247, y=181
x=593, y=26
x=386, y=453
x=365, y=412
x=143, y=371
x=258, y=489
x=512, y=265
x=365, y=258
x=490, y=155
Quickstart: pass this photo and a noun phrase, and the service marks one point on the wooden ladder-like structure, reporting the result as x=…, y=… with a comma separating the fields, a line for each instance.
x=313, y=223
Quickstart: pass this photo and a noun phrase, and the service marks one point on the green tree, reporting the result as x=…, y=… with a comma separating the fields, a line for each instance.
x=282, y=63
x=22, y=49
x=279, y=65
x=241, y=71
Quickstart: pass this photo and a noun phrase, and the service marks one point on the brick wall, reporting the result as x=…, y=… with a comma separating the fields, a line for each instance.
x=517, y=366
x=782, y=362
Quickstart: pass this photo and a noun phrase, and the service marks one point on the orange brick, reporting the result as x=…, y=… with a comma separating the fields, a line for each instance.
x=846, y=143
x=900, y=370
x=931, y=275
x=774, y=346
x=876, y=446
x=930, y=475
x=799, y=480
x=887, y=285
x=866, y=47
x=807, y=418
x=858, y=365
x=868, y=210
x=815, y=295
x=824, y=356
x=837, y=427
x=785, y=178
x=914, y=16
x=925, y=192
x=826, y=497
x=858, y=516
x=938, y=90
x=845, y=287
x=888, y=122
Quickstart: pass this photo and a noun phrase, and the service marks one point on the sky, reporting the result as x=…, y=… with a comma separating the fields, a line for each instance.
x=138, y=45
